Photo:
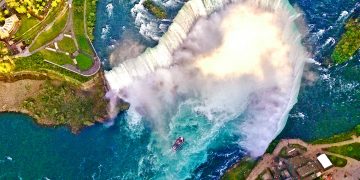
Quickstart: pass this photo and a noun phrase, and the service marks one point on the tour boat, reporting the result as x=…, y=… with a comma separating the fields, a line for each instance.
x=178, y=143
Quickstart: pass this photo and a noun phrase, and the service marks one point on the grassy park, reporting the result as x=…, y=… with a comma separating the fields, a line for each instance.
x=67, y=45
x=84, y=62
x=337, y=161
x=36, y=64
x=79, y=29
x=50, y=34
x=44, y=29
x=55, y=57
x=31, y=26
x=349, y=150
x=45, y=46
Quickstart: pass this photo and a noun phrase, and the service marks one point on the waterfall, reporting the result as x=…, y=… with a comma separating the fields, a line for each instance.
x=182, y=99
x=160, y=56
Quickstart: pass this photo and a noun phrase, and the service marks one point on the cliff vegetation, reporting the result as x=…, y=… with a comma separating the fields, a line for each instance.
x=349, y=42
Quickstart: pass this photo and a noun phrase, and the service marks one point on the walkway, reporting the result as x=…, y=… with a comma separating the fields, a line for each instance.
x=352, y=169
x=69, y=26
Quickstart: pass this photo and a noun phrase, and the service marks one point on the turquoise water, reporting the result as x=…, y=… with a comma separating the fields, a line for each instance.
x=130, y=151
x=29, y=151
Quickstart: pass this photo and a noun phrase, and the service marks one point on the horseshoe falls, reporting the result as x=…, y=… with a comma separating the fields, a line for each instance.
x=224, y=76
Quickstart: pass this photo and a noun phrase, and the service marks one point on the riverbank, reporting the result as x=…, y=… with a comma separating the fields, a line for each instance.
x=333, y=146
x=57, y=103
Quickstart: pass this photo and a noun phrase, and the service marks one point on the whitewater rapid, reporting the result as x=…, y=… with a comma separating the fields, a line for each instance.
x=208, y=72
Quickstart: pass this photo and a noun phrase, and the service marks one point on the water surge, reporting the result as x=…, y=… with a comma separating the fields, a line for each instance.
x=223, y=69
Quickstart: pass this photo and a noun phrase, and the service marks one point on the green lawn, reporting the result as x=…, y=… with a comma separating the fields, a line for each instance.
x=67, y=45
x=349, y=42
x=337, y=161
x=350, y=150
x=26, y=24
x=241, y=171
x=84, y=62
x=78, y=17
x=50, y=34
x=36, y=63
x=28, y=36
x=90, y=17
x=58, y=58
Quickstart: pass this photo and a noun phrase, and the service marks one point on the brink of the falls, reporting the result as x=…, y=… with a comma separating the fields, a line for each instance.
x=223, y=67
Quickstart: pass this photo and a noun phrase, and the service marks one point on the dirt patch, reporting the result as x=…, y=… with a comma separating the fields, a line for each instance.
x=13, y=94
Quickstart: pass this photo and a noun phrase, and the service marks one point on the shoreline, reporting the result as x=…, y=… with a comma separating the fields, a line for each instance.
x=318, y=145
x=40, y=121
x=19, y=88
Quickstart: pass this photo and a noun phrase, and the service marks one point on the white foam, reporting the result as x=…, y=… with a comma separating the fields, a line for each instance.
x=158, y=87
x=105, y=31
x=109, y=9
x=343, y=15
x=9, y=158
x=329, y=42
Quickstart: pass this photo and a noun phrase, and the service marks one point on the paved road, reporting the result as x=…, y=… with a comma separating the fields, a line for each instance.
x=2, y=3
x=69, y=26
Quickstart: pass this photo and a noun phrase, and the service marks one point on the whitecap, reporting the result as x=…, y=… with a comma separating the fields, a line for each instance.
x=8, y=158
x=325, y=76
x=343, y=15
x=105, y=31
x=109, y=9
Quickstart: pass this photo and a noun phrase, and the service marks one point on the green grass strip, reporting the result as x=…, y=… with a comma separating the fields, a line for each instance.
x=67, y=45
x=49, y=35
x=36, y=63
x=84, y=62
x=337, y=161
x=57, y=58
x=34, y=29
x=349, y=150
x=78, y=18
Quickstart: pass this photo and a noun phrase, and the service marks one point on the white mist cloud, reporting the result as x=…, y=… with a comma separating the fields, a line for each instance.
x=244, y=60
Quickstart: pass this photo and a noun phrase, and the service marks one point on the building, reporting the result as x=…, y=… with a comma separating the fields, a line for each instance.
x=298, y=161
x=8, y=27
x=324, y=161
x=308, y=169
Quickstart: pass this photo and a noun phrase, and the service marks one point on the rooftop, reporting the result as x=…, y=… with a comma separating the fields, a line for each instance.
x=308, y=169
x=8, y=27
x=324, y=161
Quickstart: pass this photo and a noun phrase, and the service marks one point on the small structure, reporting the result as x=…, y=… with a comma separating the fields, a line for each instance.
x=298, y=161
x=324, y=161
x=9, y=26
x=308, y=169
x=285, y=174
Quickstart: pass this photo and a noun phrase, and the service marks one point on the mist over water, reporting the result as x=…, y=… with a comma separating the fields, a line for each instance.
x=242, y=65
